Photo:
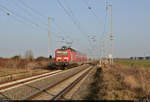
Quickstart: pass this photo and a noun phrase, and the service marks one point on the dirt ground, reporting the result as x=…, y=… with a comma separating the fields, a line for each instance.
x=9, y=66
x=84, y=88
x=127, y=83
x=116, y=83
x=16, y=69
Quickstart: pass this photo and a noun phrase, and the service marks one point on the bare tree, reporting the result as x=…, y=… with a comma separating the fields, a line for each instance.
x=29, y=55
x=16, y=58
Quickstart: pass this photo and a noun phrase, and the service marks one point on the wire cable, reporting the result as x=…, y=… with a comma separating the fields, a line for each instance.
x=91, y=9
x=41, y=15
x=104, y=36
x=94, y=14
x=21, y=17
x=31, y=10
x=74, y=21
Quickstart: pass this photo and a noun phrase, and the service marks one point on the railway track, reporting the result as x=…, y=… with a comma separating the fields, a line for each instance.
x=14, y=82
x=67, y=92
x=22, y=75
x=63, y=89
x=18, y=76
x=22, y=81
x=33, y=88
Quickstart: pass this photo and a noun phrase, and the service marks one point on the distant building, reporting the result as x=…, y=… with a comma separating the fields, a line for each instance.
x=132, y=58
x=147, y=58
x=140, y=58
x=121, y=58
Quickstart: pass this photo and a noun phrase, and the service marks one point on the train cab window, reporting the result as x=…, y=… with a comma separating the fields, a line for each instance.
x=64, y=53
x=50, y=57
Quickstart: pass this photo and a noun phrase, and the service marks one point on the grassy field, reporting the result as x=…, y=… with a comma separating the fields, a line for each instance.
x=133, y=63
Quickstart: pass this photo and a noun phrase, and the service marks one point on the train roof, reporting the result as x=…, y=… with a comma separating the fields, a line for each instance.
x=67, y=48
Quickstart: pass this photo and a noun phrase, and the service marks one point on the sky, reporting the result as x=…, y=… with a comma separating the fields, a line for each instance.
x=24, y=24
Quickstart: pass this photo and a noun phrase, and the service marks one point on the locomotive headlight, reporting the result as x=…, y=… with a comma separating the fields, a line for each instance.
x=65, y=57
x=58, y=58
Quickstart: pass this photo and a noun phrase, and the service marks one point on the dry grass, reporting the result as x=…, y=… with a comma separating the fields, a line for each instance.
x=22, y=63
x=127, y=83
x=84, y=90
x=94, y=86
x=10, y=66
x=117, y=83
x=134, y=63
x=11, y=69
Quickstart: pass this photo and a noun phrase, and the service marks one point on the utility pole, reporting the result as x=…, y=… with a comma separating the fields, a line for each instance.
x=111, y=38
x=103, y=46
x=105, y=33
x=49, y=40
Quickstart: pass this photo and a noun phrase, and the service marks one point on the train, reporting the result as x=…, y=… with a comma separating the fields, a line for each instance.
x=67, y=55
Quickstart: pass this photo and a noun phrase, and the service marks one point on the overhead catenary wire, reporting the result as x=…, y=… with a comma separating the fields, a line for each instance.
x=42, y=16
x=91, y=9
x=21, y=21
x=73, y=20
x=71, y=17
x=104, y=35
x=13, y=16
x=18, y=15
x=7, y=13
x=31, y=9
x=59, y=27
x=71, y=13
x=28, y=10
x=77, y=24
x=21, y=17
x=22, y=8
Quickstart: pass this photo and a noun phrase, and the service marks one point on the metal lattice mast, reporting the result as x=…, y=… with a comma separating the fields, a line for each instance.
x=49, y=36
x=111, y=37
x=105, y=33
x=103, y=46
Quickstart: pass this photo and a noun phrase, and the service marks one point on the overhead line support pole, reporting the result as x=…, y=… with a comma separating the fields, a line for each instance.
x=49, y=39
x=111, y=37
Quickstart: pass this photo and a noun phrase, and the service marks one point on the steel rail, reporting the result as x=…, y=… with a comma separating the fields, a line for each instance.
x=70, y=86
x=20, y=73
x=21, y=81
x=48, y=87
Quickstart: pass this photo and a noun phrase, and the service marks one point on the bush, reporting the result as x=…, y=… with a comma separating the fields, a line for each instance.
x=22, y=63
x=41, y=58
x=16, y=58
x=29, y=55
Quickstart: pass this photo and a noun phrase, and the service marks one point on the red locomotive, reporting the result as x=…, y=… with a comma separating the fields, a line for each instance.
x=65, y=56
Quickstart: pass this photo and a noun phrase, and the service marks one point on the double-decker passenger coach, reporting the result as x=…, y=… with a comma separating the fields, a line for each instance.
x=65, y=56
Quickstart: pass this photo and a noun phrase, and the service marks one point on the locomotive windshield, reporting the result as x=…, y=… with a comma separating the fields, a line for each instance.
x=65, y=53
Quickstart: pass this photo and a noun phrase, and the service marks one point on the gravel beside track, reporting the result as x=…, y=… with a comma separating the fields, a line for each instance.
x=54, y=79
x=53, y=91
x=2, y=97
x=84, y=88
x=17, y=76
x=70, y=93
x=17, y=82
x=19, y=93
